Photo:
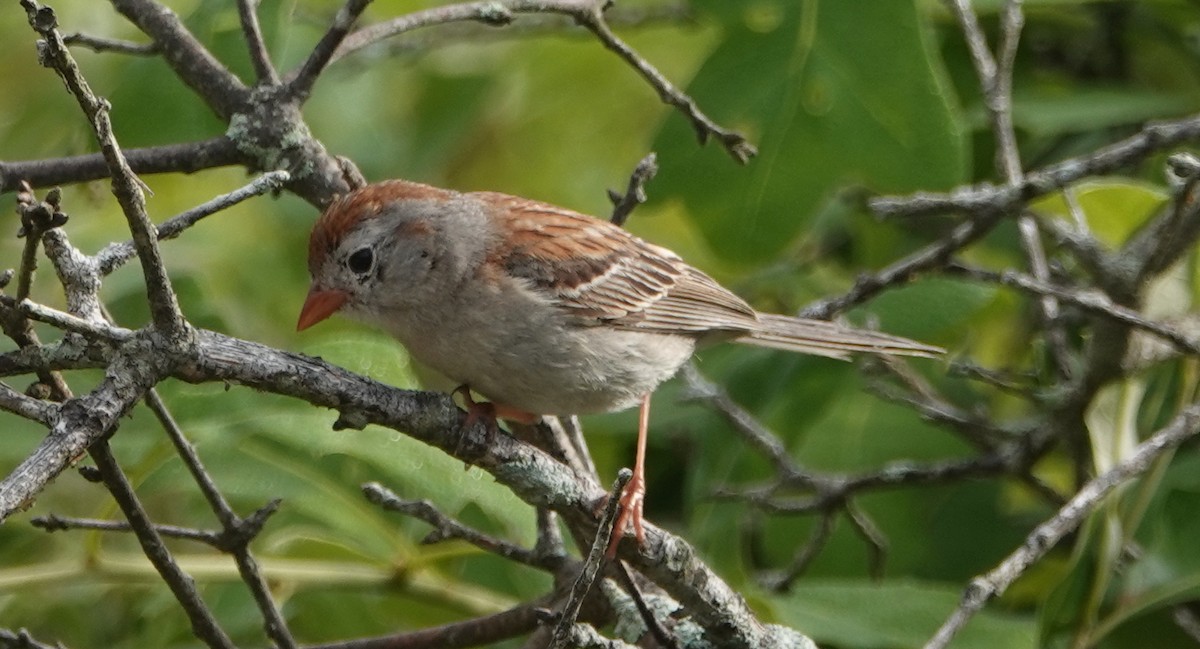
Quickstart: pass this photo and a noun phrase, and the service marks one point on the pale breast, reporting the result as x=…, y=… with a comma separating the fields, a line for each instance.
x=537, y=360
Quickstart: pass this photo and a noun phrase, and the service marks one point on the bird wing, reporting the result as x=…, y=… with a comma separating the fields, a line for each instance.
x=600, y=273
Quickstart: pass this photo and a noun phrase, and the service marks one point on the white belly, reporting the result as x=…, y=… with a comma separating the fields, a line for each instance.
x=547, y=368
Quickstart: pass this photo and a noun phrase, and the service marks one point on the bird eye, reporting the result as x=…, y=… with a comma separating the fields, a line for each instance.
x=361, y=261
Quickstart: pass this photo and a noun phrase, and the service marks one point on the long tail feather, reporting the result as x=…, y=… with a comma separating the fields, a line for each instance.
x=822, y=338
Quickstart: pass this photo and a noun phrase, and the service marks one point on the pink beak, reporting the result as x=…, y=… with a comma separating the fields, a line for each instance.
x=319, y=304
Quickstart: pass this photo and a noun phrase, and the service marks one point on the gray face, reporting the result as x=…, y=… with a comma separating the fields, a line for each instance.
x=383, y=263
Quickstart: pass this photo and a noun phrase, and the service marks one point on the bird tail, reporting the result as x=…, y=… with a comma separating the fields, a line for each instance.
x=823, y=338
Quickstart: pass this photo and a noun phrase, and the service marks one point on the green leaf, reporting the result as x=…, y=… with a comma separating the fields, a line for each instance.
x=1112, y=209
x=833, y=93
x=1087, y=109
x=894, y=614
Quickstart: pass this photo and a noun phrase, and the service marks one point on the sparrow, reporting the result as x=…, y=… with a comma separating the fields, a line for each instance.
x=540, y=309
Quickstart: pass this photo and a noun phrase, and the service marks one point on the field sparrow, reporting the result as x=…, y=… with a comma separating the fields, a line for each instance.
x=542, y=310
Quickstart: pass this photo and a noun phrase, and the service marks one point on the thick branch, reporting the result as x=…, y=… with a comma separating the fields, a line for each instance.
x=187, y=158
x=81, y=422
x=534, y=476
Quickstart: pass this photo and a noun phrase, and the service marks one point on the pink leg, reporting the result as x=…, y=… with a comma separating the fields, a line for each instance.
x=635, y=492
x=491, y=411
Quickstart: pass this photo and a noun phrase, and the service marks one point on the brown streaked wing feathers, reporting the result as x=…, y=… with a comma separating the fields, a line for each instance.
x=602, y=273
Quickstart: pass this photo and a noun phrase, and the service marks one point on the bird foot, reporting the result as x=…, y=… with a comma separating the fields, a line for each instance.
x=489, y=413
x=629, y=515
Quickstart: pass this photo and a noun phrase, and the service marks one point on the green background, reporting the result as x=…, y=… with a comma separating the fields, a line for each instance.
x=840, y=97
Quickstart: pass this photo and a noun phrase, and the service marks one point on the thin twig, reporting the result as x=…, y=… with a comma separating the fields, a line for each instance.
x=236, y=533
x=477, y=33
x=549, y=536
x=114, y=255
x=101, y=44
x=833, y=490
x=591, y=566
x=37, y=218
x=445, y=527
x=1091, y=300
x=188, y=157
x=1044, y=537
x=635, y=192
x=164, y=306
x=56, y=523
x=988, y=198
x=932, y=256
x=872, y=536
x=782, y=581
x=735, y=143
x=479, y=632
x=300, y=83
x=204, y=625
x=68, y=322
x=589, y=14
x=21, y=405
x=660, y=633
x=264, y=70
x=699, y=388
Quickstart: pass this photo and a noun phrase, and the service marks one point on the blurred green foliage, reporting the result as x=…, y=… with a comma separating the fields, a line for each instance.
x=839, y=97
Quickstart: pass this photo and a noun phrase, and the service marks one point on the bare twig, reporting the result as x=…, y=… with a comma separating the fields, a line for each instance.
x=995, y=76
x=68, y=322
x=445, y=527
x=1091, y=300
x=872, y=537
x=589, y=14
x=300, y=83
x=27, y=407
x=264, y=71
x=56, y=523
x=164, y=306
x=832, y=491
x=101, y=44
x=735, y=143
x=988, y=198
x=1043, y=538
x=783, y=580
x=549, y=537
x=37, y=218
x=591, y=566
x=188, y=158
x=635, y=192
x=766, y=442
x=204, y=625
x=236, y=533
x=932, y=256
x=483, y=631
x=116, y=254
x=665, y=638
x=619, y=15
